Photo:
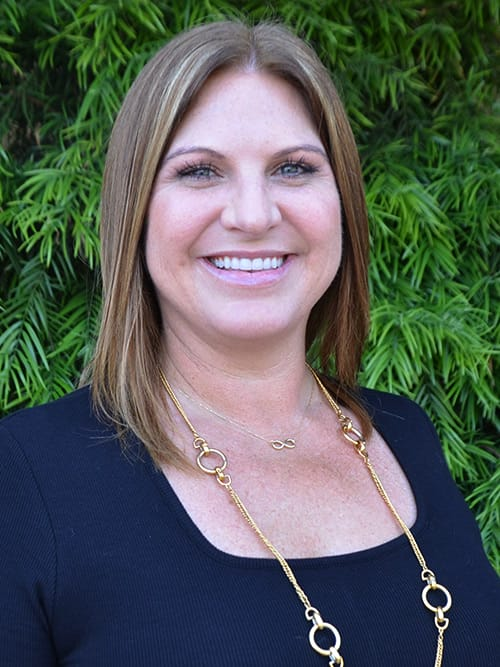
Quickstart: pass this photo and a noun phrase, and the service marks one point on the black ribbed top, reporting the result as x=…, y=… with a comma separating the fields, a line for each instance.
x=100, y=565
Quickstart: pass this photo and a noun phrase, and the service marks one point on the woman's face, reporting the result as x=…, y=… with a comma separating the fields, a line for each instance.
x=244, y=221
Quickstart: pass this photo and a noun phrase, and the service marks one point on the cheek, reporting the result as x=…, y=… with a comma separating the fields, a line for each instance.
x=157, y=240
x=327, y=238
x=179, y=218
x=166, y=230
x=325, y=223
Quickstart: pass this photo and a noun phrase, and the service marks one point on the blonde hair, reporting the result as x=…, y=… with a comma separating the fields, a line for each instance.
x=125, y=383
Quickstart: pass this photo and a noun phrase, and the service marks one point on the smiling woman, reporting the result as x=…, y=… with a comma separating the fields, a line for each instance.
x=210, y=497
x=244, y=182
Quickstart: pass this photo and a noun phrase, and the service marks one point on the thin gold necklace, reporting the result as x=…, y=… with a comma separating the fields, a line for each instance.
x=355, y=437
x=279, y=444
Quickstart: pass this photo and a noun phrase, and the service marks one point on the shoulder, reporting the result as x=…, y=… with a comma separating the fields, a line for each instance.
x=405, y=427
x=394, y=410
x=48, y=464
x=55, y=431
x=60, y=458
x=74, y=406
x=382, y=402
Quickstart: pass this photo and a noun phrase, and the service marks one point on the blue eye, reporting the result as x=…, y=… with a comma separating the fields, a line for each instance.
x=291, y=168
x=200, y=171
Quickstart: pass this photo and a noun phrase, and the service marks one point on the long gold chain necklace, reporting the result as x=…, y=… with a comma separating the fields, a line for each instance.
x=279, y=444
x=355, y=437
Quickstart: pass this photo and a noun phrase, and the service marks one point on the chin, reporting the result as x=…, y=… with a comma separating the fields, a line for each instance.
x=257, y=331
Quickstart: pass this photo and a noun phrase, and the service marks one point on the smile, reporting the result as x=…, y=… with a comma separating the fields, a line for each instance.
x=247, y=264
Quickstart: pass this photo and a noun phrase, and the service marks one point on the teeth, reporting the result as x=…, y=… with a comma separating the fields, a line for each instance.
x=246, y=264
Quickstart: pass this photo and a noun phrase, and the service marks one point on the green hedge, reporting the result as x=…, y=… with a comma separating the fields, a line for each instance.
x=418, y=83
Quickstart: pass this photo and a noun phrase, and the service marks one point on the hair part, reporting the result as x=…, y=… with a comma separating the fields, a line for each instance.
x=125, y=381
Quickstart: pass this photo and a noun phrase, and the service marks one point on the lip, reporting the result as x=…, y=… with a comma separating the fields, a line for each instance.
x=262, y=277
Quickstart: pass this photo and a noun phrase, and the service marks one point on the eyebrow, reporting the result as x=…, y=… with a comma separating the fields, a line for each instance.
x=309, y=148
x=186, y=150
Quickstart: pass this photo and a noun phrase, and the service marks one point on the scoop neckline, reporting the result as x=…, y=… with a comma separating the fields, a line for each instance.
x=379, y=551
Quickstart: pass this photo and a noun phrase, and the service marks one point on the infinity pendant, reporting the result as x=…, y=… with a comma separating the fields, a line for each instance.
x=289, y=443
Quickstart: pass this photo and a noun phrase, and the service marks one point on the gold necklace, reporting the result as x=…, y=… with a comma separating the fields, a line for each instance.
x=278, y=444
x=355, y=437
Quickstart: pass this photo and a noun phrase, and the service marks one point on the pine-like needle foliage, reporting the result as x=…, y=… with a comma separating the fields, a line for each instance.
x=418, y=83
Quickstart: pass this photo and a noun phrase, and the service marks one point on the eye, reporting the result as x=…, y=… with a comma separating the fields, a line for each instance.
x=200, y=171
x=294, y=168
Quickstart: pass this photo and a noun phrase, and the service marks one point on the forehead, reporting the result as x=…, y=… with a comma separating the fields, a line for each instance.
x=245, y=104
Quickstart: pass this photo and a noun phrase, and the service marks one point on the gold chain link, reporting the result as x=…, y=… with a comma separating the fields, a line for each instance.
x=440, y=648
x=355, y=437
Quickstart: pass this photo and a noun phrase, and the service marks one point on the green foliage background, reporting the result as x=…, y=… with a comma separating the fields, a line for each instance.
x=418, y=83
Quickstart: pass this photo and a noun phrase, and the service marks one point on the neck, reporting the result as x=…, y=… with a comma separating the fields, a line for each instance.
x=256, y=388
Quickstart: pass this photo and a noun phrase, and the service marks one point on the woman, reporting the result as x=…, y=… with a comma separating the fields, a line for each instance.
x=238, y=519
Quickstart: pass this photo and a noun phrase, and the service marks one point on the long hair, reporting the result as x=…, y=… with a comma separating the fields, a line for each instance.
x=125, y=382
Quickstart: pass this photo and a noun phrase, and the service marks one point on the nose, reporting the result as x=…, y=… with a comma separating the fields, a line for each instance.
x=251, y=207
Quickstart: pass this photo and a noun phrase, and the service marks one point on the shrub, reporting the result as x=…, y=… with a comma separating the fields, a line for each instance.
x=418, y=83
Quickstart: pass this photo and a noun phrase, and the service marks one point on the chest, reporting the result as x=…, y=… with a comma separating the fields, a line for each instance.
x=309, y=502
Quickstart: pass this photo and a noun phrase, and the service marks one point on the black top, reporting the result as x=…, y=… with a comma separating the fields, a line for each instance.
x=100, y=565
